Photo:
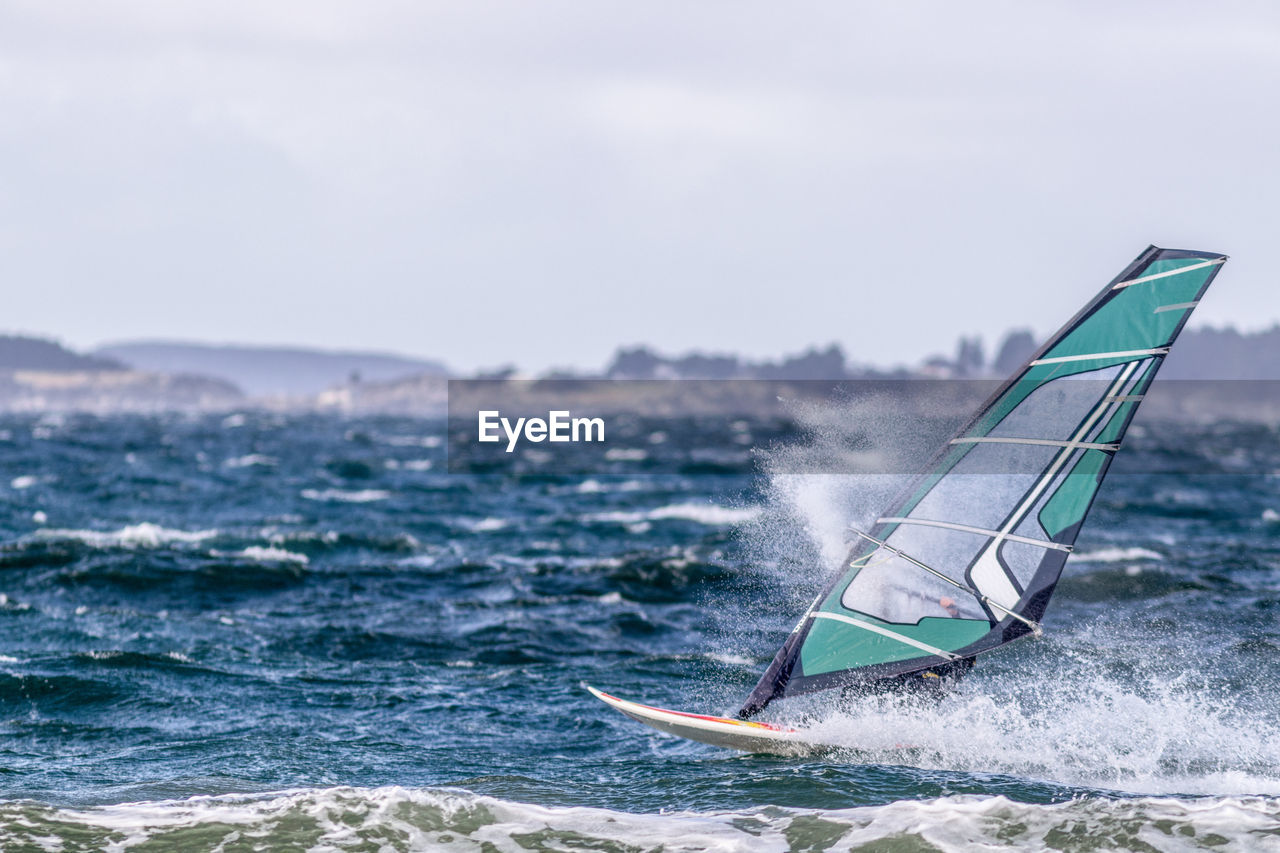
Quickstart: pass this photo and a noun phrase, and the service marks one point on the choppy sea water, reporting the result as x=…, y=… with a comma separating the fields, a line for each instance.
x=268, y=632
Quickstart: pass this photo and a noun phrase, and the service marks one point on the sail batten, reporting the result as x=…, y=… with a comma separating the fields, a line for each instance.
x=1047, y=442
x=885, y=632
x=1167, y=273
x=967, y=558
x=1100, y=356
x=981, y=531
x=1179, y=306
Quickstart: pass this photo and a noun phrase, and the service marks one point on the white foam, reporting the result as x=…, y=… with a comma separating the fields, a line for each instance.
x=259, y=554
x=1270, y=515
x=26, y=481
x=1115, y=555
x=326, y=537
x=414, y=440
x=251, y=460
x=359, y=496
x=705, y=513
x=588, y=487
x=144, y=535
x=626, y=454
x=1143, y=732
x=420, y=819
x=709, y=514
x=486, y=525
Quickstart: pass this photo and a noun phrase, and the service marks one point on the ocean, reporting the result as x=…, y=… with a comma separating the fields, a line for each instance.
x=259, y=631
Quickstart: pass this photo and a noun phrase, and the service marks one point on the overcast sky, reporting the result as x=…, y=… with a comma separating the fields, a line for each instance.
x=539, y=182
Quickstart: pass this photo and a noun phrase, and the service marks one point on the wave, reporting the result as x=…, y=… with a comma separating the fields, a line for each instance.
x=1115, y=555
x=486, y=525
x=428, y=441
x=144, y=535
x=402, y=819
x=271, y=554
x=316, y=541
x=709, y=514
x=252, y=460
x=358, y=496
x=53, y=694
x=592, y=486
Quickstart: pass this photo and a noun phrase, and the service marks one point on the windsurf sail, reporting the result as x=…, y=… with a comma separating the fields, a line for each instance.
x=967, y=558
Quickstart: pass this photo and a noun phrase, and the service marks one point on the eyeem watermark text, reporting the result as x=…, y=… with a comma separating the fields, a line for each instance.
x=558, y=426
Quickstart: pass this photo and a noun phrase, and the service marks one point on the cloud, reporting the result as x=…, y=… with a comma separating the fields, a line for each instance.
x=489, y=182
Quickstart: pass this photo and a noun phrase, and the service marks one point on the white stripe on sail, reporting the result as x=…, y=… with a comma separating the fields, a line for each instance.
x=1049, y=442
x=893, y=635
x=1089, y=356
x=981, y=531
x=1178, y=307
x=1179, y=271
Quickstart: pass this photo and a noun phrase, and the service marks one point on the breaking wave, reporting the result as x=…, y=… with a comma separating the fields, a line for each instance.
x=709, y=514
x=1115, y=555
x=403, y=819
x=271, y=554
x=358, y=496
x=144, y=535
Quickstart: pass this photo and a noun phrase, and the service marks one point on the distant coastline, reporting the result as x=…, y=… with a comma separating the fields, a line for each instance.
x=38, y=374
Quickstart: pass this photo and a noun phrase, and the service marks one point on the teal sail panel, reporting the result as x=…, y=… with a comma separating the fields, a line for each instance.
x=967, y=558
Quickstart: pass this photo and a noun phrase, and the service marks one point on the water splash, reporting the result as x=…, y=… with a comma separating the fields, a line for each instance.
x=1147, y=731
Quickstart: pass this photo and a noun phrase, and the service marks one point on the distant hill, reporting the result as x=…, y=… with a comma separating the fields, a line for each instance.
x=269, y=371
x=40, y=375
x=22, y=353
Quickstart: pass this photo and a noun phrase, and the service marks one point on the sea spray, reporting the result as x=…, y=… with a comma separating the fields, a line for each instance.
x=846, y=462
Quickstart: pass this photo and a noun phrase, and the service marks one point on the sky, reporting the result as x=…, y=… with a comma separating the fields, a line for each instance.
x=540, y=182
